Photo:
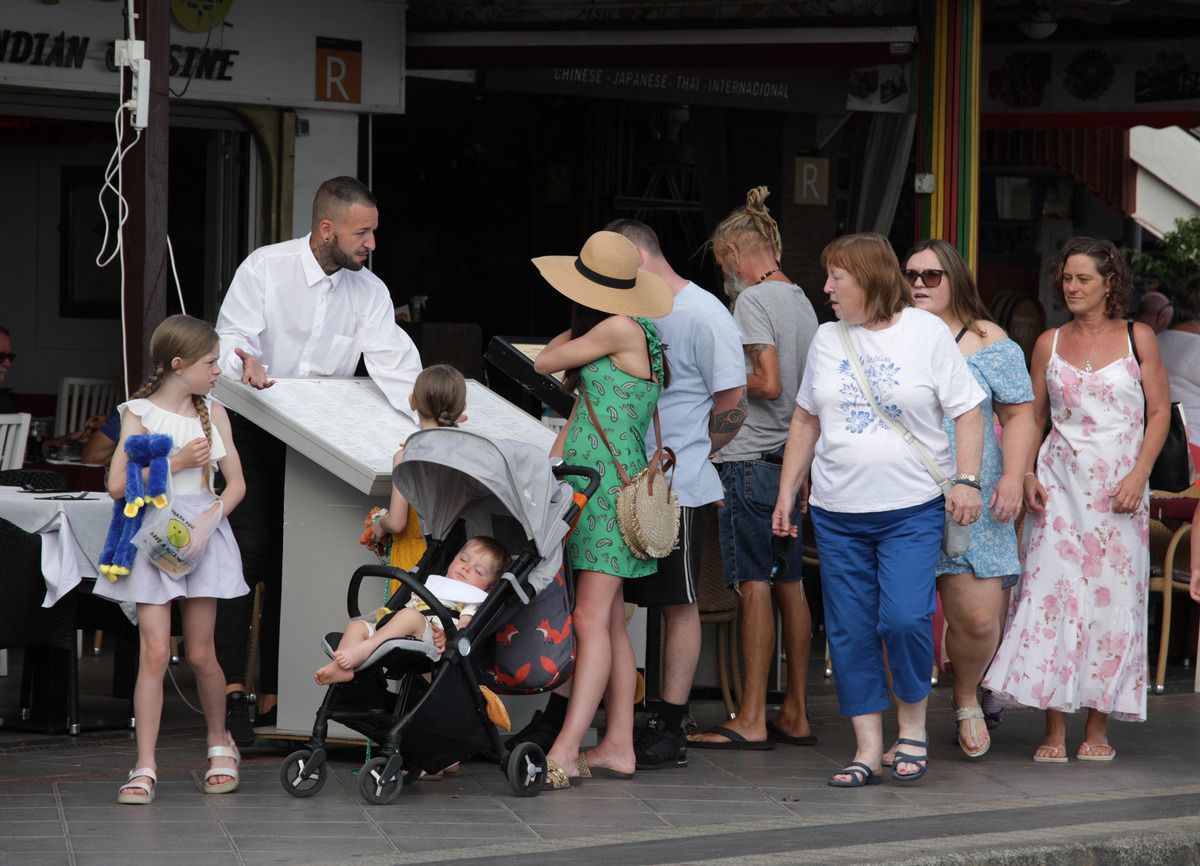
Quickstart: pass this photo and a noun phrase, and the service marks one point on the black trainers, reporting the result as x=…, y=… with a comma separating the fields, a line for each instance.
x=237, y=718
x=539, y=730
x=659, y=748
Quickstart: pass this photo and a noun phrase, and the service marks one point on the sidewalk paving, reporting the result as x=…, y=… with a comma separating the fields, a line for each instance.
x=57, y=803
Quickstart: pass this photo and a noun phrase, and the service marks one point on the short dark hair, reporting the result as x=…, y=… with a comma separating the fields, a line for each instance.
x=5, y=331
x=339, y=193
x=1109, y=264
x=1187, y=300
x=641, y=234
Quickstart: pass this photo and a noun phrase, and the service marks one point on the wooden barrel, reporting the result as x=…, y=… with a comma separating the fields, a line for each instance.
x=1022, y=316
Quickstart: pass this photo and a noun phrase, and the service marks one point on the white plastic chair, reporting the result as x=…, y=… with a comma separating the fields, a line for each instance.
x=80, y=399
x=14, y=430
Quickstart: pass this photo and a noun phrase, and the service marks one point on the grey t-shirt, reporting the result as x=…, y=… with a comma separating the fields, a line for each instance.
x=780, y=315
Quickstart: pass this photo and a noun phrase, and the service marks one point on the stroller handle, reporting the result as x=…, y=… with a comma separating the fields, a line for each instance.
x=562, y=470
x=419, y=589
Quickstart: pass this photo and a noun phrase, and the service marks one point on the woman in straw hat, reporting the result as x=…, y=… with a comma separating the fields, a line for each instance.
x=613, y=358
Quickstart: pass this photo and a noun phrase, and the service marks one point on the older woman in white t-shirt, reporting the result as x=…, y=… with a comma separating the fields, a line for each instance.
x=877, y=513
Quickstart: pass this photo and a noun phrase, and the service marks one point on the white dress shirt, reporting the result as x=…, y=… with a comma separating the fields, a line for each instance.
x=300, y=322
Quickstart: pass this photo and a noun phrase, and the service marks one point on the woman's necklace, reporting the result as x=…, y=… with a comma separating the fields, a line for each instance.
x=1087, y=365
x=767, y=274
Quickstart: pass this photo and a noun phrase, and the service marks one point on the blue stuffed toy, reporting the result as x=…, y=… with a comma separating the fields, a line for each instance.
x=148, y=450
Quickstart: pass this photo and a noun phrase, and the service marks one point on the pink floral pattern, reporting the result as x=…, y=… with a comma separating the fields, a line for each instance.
x=1076, y=632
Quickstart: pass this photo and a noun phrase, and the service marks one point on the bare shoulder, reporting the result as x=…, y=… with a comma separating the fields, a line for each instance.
x=1145, y=340
x=992, y=333
x=217, y=411
x=621, y=329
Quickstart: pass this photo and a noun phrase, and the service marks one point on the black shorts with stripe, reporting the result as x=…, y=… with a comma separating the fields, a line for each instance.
x=679, y=572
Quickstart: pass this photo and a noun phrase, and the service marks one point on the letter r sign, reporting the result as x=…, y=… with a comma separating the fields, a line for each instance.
x=339, y=70
x=812, y=181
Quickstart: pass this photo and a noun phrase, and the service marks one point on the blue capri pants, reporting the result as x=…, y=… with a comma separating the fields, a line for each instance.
x=878, y=583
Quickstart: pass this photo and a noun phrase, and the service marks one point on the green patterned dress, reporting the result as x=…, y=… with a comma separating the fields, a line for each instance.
x=624, y=406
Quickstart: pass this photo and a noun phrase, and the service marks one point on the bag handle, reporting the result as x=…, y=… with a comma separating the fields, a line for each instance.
x=931, y=467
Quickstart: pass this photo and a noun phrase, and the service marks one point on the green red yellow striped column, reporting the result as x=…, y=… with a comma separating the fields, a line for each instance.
x=948, y=128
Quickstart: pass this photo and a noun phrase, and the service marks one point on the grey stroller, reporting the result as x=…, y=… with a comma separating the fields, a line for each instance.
x=463, y=485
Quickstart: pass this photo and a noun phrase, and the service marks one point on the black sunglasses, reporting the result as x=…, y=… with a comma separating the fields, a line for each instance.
x=7, y=356
x=931, y=278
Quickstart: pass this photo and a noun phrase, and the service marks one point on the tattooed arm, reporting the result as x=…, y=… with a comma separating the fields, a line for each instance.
x=728, y=413
x=763, y=381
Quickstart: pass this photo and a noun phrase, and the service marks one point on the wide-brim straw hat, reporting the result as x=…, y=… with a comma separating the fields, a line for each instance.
x=605, y=276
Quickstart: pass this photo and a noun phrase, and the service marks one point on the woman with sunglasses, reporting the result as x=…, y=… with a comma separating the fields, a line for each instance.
x=972, y=585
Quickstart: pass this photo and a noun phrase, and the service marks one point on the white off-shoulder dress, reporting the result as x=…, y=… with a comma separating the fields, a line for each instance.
x=219, y=574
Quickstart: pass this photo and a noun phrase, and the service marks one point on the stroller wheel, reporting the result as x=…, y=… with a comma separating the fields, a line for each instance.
x=297, y=777
x=371, y=785
x=526, y=769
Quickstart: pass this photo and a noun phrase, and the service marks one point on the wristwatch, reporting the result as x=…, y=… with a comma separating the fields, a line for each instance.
x=967, y=479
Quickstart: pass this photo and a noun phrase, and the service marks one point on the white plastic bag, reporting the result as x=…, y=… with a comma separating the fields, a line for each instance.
x=174, y=537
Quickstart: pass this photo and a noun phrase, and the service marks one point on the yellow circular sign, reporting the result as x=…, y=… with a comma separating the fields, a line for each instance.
x=178, y=534
x=200, y=16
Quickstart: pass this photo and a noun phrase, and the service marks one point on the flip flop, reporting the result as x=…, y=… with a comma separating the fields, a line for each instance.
x=1086, y=749
x=556, y=778
x=733, y=741
x=595, y=771
x=860, y=774
x=777, y=735
x=1059, y=756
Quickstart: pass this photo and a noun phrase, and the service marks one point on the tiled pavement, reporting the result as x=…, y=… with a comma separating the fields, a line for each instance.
x=57, y=804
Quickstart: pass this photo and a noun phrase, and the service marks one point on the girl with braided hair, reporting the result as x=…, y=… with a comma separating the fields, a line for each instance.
x=439, y=397
x=175, y=402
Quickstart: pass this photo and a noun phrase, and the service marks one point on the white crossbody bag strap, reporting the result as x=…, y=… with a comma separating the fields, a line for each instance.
x=932, y=468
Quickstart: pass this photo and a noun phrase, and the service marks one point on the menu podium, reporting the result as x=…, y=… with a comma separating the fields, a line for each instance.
x=340, y=435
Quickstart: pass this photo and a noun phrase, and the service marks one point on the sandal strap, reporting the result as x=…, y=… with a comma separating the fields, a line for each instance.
x=142, y=771
x=224, y=752
x=962, y=714
x=856, y=768
x=904, y=758
x=231, y=772
x=922, y=743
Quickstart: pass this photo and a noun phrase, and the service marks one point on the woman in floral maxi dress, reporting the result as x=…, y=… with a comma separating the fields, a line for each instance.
x=1076, y=636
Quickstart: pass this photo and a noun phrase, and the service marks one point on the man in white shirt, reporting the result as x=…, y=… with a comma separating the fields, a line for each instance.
x=305, y=307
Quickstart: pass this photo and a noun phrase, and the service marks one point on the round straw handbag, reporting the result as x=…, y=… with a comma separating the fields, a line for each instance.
x=647, y=507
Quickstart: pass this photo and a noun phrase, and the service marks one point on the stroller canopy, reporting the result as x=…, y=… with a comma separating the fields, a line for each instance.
x=448, y=473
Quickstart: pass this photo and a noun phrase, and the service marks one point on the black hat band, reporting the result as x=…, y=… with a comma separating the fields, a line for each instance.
x=609, y=282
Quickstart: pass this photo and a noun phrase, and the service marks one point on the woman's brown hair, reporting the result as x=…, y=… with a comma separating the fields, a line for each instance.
x=870, y=259
x=440, y=393
x=188, y=339
x=965, y=302
x=1109, y=263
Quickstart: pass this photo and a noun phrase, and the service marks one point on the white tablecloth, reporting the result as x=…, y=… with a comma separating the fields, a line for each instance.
x=72, y=532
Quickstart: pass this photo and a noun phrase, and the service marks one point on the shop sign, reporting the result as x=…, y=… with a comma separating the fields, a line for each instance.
x=223, y=51
x=817, y=91
x=812, y=181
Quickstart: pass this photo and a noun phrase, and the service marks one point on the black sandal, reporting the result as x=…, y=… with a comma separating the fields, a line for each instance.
x=861, y=774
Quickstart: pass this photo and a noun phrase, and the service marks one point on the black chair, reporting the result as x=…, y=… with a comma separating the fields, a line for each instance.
x=36, y=479
x=42, y=632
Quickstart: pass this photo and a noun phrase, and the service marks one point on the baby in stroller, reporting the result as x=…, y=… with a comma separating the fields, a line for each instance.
x=473, y=572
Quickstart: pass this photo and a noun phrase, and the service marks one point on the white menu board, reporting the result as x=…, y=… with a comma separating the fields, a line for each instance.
x=349, y=428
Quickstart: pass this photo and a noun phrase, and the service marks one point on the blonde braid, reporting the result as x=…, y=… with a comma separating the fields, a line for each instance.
x=151, y=384
x=206, y=425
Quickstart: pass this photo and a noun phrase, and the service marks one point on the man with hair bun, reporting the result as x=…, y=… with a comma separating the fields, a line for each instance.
x=777, y=324
x=301, y=308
